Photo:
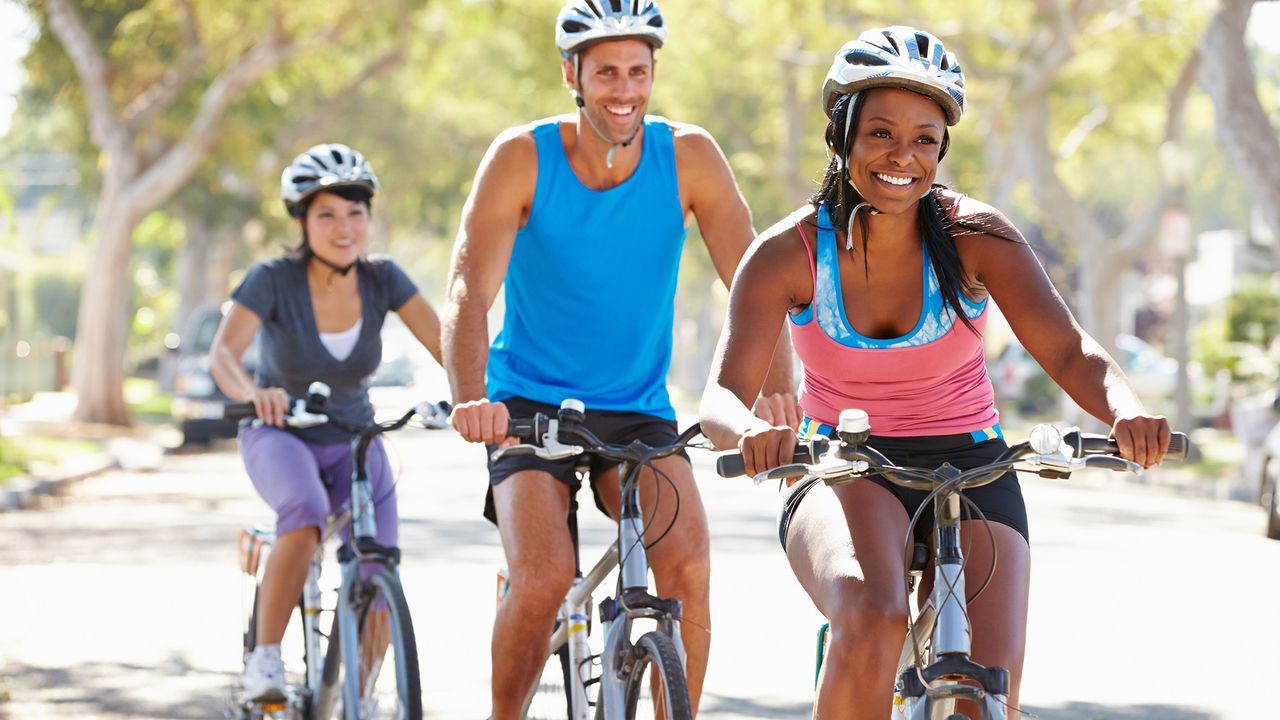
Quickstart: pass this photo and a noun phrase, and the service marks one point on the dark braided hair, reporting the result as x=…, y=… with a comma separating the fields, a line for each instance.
x=935, y=228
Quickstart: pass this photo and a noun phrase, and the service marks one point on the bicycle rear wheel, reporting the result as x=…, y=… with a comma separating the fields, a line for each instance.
x=549, y=698
x=656, y=686
x=380, y=669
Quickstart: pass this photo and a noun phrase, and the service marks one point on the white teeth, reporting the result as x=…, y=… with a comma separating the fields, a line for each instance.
x=620, y=111
x=895, y=180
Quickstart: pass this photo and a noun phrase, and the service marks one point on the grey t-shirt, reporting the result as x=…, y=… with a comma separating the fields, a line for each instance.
x=292, y=355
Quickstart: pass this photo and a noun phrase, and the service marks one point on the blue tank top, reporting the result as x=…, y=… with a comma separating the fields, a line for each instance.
x=590, y=289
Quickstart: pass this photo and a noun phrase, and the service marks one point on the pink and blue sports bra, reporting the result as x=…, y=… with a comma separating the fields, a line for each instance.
x=931, y=381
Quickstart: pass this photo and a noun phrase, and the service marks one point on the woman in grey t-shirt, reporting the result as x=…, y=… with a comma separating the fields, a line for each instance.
x=319, y=311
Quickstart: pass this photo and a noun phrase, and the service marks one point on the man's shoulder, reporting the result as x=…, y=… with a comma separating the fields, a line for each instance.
x=684, y=133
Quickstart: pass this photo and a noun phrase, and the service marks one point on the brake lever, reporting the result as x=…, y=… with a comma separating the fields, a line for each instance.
x=433, y=415
x=1111, y=462
x=781, y=472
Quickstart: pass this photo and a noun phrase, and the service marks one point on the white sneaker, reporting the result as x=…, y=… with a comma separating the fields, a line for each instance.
x=264, y=675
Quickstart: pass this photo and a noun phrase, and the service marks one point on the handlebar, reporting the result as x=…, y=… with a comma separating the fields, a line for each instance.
x=565, y=436
x=310, y=412
x=1049, y=453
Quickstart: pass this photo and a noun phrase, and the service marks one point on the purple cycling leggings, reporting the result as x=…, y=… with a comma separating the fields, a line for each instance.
x=287, y=473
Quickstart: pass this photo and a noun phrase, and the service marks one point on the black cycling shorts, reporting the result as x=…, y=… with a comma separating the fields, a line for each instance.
x=1000, y=500
x=611, y=426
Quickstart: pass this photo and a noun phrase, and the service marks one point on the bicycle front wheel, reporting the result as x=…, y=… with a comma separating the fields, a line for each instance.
x=380, y=669
x=655, y=684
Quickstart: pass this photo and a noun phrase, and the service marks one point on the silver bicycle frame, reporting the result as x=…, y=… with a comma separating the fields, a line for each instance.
x=633, y=575
x=945, y=618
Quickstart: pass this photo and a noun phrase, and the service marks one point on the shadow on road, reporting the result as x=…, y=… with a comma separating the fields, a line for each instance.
x=173, y=689
x=718, y=706
x=1091, y=711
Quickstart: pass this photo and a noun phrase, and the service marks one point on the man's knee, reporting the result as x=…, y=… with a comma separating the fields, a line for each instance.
x=540, y=586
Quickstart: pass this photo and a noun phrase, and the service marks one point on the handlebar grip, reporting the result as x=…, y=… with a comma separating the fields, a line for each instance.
x=238, y=411
x=1179, y=446
x=524, y=429
x=807, y=453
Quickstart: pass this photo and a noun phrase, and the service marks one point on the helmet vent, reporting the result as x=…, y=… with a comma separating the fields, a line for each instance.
x=616, y=5
x=655, y=21
x=319, y=160
x=861, y=58
x=922, y=44
x=573, y=26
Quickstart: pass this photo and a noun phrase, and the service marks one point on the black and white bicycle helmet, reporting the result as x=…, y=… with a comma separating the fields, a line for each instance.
x=897, y=56
x=582, y=22
x=324, y=167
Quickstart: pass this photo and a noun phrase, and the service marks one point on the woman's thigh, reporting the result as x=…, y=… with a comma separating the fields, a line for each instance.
x=847, y=539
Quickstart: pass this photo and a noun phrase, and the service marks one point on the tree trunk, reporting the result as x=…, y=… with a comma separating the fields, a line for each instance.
x=1243, y=128
x=102, y=331
x=193, y=270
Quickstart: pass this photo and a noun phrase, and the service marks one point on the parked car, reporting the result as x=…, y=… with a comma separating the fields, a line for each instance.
x=1260, y=467
x=197, y=401
x=1018, y=378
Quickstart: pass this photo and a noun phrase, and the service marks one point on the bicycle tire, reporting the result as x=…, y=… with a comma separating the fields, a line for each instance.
x=657, y=651
x=395, y=691
x=549, y=697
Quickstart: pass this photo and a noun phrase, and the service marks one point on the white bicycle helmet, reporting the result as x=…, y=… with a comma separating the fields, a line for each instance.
x=897, y=56
x=324, y=167
x=582, y=22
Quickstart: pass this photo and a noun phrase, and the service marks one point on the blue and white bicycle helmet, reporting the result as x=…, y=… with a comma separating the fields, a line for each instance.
x=582, y=22
x=324, y=167
x=897, y=56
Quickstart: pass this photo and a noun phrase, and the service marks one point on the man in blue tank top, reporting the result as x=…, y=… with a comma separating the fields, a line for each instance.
x=584, y=219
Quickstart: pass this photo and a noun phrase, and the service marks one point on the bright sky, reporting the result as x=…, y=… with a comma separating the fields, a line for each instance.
x=17, y=30
x=16, y=33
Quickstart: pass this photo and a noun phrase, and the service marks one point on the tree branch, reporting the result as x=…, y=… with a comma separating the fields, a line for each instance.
x=104, y=125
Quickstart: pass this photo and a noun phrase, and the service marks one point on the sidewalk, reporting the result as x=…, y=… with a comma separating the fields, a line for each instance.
x=49, y=414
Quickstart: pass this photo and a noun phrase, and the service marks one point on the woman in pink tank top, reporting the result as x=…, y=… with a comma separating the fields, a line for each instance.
x=883, y=279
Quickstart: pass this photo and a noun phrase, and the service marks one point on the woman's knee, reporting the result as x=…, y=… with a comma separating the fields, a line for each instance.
x=870, y=617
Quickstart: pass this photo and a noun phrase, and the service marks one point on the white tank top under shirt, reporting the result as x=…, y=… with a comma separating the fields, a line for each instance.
x=340, y=344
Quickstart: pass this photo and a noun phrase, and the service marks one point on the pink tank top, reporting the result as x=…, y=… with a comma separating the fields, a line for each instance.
x=932, y=381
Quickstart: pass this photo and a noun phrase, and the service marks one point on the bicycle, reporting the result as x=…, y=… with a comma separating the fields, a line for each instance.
x=347, y=669
x=625, y=679
x=934, y=670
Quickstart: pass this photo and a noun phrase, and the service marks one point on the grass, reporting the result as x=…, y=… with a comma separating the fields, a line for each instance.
x=17, y=454
x=145, y=401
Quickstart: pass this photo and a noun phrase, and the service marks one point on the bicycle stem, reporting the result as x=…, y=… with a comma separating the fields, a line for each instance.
x=952, y=634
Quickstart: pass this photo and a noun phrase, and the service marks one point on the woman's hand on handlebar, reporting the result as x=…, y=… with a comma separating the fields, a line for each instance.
x=1144, y=439
x=270, y=405
x=482, y=421
x=766, y=448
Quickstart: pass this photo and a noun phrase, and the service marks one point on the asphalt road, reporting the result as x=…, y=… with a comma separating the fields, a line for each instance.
x=122, y=599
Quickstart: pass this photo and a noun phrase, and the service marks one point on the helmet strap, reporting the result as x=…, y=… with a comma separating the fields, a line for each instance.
x=848, y=233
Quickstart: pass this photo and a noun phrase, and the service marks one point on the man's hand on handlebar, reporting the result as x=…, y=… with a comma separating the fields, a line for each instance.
x=483, y=422
x=778, y=409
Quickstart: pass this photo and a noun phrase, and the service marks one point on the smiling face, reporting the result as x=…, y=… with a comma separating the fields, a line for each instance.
x=893, y=159
x=337, y=228
x=615, y=79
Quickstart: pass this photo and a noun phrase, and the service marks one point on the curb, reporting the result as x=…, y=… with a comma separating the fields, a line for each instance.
x=19, y=492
